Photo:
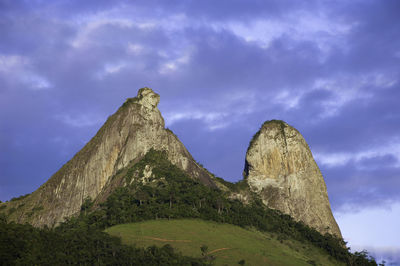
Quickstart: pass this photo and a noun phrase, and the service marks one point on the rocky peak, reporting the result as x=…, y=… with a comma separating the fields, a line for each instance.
x=126, y=137
x=148, y=98
x=280, y=168
x=142, y=107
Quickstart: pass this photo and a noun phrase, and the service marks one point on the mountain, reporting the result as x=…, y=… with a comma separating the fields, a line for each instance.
x=280, y=168
x=135, y=170
x=125, y=137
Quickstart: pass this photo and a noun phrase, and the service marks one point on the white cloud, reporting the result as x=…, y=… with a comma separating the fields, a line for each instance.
x=332, y=159
x=90, y=24
x=343, y=89
x=288, y=99
x=391, y=148
x=135, y=48
x=391, y=255
x=84, y=120
x=36, y=82
x=10, y=63
x=213, y=120
x=110, y=69
x=300, y=26
x=375, y=229
x=175, y=61
x=17, y=69
x=261, y=31
x=114, y=68
x=231, y=108
x=347, y=88
x=124, y=16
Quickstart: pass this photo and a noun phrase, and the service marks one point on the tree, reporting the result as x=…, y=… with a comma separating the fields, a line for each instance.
x=3, y=218
x=141, y=196
x=87, y=205
x=204, y=250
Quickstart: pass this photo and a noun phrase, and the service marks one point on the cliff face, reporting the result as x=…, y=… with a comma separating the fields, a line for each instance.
x=280, y=168
x=126, y=136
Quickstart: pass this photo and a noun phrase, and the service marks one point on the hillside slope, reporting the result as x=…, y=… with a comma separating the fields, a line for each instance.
x=229, y=244
x=125, y=137
x=279, y=170
x=152, y=189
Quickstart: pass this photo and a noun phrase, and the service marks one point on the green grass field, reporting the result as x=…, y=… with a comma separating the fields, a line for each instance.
x=228, y=243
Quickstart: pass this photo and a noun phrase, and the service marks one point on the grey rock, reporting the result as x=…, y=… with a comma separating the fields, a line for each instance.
x=126, y=136
x=280, y=168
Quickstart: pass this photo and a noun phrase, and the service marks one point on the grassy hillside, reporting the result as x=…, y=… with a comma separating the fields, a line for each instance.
x=168, y=193
x=229, y=244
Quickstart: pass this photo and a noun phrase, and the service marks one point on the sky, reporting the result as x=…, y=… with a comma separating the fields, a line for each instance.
x=331, y=69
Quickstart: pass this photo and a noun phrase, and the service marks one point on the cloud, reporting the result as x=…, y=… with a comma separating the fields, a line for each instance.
x=222, y=69
x=212, y=120
x=388, y=254
x=12, y=62
x=373, y=157
x=92, y=24
x=378, y=232
x=83, y=120
x=16, y=71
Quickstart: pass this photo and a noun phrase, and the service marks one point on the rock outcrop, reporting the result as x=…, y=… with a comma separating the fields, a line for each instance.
x=126, y=136
x=280, y=168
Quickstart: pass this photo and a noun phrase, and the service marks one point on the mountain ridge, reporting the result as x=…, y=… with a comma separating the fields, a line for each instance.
x=155, y=189
x=127, y=135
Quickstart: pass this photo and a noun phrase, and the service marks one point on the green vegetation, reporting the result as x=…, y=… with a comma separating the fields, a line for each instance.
x=34, y=210
x=38, y=208
x=171, y=132
x=129, y=101
x=20, y=197
x=26, y=245
x=168, y=193
x=11, y=210
x=234, y=187
x=228, y=244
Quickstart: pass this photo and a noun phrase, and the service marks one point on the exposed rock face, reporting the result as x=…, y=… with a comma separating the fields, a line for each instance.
x=126, y=136
x=280, y=168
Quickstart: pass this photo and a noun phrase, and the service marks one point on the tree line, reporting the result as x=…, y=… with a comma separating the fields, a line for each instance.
x=168, y=194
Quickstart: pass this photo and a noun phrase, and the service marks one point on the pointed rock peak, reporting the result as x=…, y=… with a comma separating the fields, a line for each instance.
x=145, y=97
x=276, y=124
x=123, y=140
x=148, y=98
x=280, y=168
x=266, y=126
